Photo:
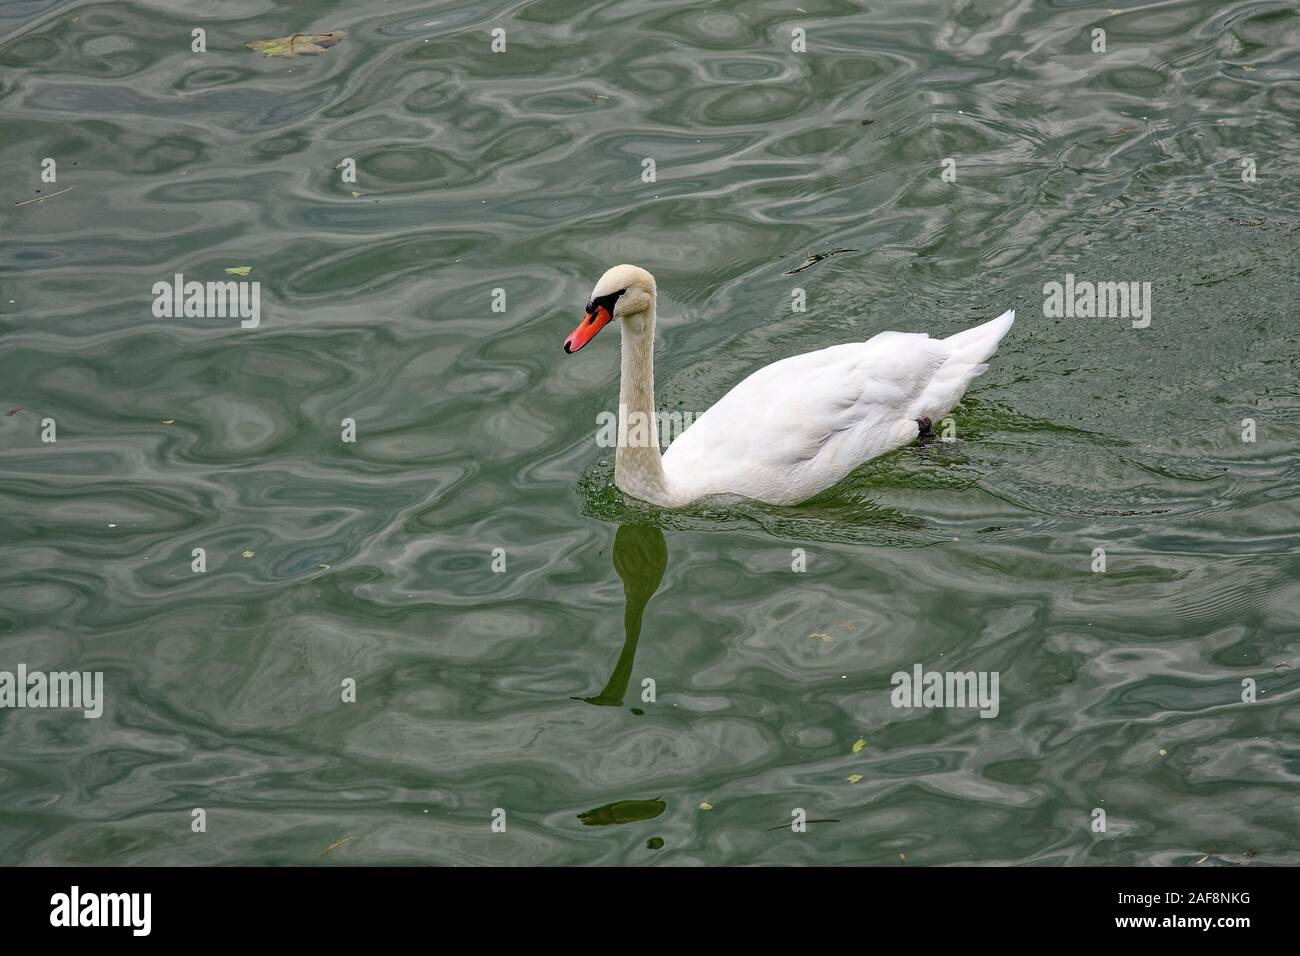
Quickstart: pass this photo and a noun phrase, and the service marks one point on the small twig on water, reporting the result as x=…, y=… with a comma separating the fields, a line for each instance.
x=791, y=823
x=335, y=845
x=43, y=198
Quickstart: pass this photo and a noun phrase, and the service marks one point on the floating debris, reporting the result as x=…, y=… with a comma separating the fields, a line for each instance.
x=706, y=806
x=249, y=554
x=854, y=777
x=902, y=858
x=169, y=421
x=791, y=823
x=14, y=411
x=858, y=745
x=623, y=811
x=654, y=843
x=819, y=636
x=28, y=202
x=336, y=844
x=309, y=43
x=239, y=270
x=816, y=257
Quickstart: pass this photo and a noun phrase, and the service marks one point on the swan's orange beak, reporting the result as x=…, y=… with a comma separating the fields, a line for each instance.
x=591, y=323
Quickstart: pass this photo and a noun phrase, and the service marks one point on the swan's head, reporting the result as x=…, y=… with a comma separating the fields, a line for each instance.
x=622, y=291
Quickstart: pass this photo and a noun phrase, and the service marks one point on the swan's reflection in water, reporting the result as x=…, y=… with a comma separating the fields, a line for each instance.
x=640, y=557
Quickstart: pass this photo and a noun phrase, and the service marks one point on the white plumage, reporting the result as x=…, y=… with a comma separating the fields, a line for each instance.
x=797, y=426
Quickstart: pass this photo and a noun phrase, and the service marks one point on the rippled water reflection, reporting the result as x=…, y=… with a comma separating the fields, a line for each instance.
x=522, y=171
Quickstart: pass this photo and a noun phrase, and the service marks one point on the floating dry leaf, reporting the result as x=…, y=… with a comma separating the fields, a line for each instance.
x=858, y=745
x=335, y=845
x=854, y=777
x=811, y=260
x=310, y=43
x=623, y=811
x=239, y=270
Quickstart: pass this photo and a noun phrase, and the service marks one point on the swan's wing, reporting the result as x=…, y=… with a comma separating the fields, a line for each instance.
x=809, y=419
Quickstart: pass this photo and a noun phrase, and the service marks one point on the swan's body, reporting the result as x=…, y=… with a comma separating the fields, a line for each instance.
x=791, y=429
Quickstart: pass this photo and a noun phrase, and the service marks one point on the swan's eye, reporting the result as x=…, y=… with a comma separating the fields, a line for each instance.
x=605, y=301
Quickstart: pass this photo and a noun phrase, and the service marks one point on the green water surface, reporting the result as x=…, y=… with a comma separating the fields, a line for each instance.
x=527, y=690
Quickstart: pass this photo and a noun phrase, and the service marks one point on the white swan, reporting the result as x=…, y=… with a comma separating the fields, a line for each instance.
x=789, y=430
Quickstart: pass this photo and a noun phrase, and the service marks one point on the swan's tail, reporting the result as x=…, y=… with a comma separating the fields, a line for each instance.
x=967, y=352
x=975, y=345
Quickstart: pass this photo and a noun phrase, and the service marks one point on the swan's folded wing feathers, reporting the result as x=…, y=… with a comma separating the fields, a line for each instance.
x=829, y=408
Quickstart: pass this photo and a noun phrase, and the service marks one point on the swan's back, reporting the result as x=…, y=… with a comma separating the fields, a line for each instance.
x=798, y=426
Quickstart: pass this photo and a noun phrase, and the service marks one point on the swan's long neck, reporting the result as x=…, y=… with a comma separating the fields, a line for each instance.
x=638, y=465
